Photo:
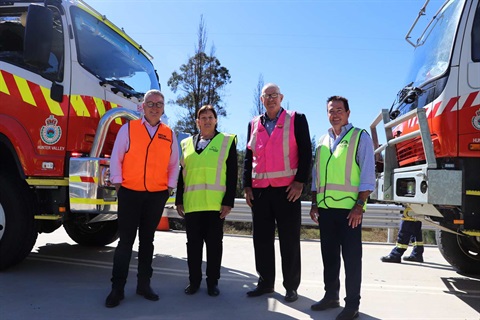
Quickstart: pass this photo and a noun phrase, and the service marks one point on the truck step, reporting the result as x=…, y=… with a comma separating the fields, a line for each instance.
x=473, y=233
x=472, y=192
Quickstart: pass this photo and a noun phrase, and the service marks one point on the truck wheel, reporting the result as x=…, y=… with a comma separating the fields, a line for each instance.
x=17, y=223
x=462, y=252
x=94, y=234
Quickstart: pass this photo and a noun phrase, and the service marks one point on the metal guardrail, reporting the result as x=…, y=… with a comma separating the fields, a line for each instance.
x=376, y=215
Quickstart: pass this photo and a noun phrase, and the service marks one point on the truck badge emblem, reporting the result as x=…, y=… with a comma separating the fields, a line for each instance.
x=50, y=132
x=476, y=120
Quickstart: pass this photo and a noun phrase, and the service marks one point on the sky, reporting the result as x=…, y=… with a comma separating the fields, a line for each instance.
x=310, y=49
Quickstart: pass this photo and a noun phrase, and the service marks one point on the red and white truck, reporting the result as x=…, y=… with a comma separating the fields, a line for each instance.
x=431, y=157
x=67, y=78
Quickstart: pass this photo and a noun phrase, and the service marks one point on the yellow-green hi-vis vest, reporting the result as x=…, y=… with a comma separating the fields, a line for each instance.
x=204, y=174
x=338, y=173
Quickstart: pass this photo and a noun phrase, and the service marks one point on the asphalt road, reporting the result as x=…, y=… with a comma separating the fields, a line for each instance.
x=61, y=280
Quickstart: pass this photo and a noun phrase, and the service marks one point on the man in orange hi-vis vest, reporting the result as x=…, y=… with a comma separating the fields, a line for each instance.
x=144, y=169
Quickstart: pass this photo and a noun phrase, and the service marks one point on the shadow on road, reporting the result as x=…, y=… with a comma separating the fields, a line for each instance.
x=63, y=280
x=466, y=289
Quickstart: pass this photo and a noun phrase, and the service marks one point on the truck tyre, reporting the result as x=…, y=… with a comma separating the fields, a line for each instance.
x=17, y=223
x=462, y=252
x=94, y=234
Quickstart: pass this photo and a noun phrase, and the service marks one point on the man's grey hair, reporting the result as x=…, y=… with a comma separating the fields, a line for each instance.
x=271, y=85
x=153, y=92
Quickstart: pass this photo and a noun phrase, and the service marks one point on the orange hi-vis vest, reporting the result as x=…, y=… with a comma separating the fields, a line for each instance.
x=275, y=156
x=145, y=165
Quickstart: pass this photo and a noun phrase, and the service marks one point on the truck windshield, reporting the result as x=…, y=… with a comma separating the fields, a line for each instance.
x=432, y=56
x=110, y=57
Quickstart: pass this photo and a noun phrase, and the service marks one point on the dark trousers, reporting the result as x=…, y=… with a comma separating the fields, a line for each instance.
x=410, y=231
x=204, y=226
x=270, y=206
x=142, y=210
x=336, y=238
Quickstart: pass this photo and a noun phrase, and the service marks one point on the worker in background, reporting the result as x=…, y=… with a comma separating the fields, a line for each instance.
x=410, y=231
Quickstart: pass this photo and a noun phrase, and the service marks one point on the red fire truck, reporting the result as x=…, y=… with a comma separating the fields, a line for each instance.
x=67, y=78
x=431, y=157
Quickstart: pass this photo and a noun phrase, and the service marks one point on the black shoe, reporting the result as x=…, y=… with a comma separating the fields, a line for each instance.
x=325, y=304
x=147, y=293
x=291, y=296
x=213, y=291
x=114, y=298
x=347, y=314
x=391, y=258
x=413, y=258
x=258, y=291
x=190, y=289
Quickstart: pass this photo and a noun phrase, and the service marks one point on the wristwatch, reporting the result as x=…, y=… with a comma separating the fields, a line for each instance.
x=360, y=202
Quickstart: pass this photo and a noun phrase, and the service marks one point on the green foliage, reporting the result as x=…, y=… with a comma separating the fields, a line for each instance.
x=200, y=82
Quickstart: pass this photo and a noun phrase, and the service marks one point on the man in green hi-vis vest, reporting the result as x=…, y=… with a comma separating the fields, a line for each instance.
x=343, y=178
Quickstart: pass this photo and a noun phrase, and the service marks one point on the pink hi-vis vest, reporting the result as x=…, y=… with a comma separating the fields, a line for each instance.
x=275, y=157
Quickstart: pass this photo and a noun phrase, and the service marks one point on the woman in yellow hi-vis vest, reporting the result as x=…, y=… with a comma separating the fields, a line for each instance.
x=205, y=196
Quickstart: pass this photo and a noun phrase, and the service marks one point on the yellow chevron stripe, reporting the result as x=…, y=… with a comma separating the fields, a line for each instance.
x=79, y=106
x=100, y=106
x=3, y=85
x=25, y=91
x=91, y=201
x=54, y=106
x=118, y=120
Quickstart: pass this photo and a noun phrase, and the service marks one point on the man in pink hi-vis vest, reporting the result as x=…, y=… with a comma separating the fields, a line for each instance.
x=277, y=164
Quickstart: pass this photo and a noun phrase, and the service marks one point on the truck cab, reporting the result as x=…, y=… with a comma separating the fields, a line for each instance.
x=69, y=78
x=431, y=156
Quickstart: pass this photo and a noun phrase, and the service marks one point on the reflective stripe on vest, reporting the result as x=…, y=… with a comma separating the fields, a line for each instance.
x=204, y=174
x=275, y=157
x=145, y=164
x=338, y=174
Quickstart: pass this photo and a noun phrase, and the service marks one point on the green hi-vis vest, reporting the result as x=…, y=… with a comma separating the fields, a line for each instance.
x=338, y=174
x=204, y=174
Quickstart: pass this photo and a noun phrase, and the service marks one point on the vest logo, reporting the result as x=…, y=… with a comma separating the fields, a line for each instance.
x=50, y=133
x=163, y=137
x=476, y=120
x=213, y=149
x=343, y=144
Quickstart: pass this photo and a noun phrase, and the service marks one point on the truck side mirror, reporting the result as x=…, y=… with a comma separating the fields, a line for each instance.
x=56, y=92
x=38, y=36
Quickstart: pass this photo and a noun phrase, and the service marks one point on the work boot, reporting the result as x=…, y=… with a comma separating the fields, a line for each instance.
x=413, y=258
x=391, y=258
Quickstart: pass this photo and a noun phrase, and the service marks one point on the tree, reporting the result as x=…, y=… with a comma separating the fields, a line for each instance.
x=257, y=102
x=200, y=81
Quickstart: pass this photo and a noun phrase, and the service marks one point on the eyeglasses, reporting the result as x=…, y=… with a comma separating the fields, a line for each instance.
x=151, y=104
x=270, y=96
